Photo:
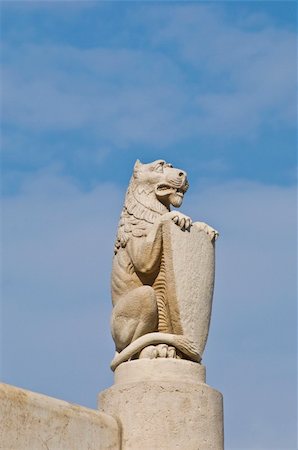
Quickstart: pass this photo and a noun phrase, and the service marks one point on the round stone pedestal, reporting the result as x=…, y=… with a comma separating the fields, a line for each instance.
x=164, y=404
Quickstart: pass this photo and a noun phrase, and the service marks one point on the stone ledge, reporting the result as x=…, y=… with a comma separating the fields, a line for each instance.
x=31, y=421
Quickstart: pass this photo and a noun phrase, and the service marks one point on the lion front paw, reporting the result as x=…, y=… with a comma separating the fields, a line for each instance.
x=211, y=232
x=181, y=220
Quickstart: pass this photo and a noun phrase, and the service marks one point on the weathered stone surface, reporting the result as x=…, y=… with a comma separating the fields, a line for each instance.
x=160, y=369
x=162, y=290
x=31, y=421
x=177, y=411
x=163, y=270
x=189, y=276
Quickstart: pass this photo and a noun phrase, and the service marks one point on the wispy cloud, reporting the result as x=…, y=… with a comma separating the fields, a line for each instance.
x=254, y=69
x=122, y=95
x=57, y=253
x=240, y=80
x=210, y=88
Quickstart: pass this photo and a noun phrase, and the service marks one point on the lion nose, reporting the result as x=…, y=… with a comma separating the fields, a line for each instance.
x=182, y=174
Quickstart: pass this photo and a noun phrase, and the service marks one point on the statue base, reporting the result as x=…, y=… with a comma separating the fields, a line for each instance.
x=165, y=404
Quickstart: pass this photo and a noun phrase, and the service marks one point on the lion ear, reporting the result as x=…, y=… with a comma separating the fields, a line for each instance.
x=137, y=165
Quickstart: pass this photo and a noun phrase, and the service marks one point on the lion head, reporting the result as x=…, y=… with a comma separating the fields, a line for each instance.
x=152, y=190
x=161, y=182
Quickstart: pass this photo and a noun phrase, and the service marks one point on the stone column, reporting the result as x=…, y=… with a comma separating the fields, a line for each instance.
x=165, y=404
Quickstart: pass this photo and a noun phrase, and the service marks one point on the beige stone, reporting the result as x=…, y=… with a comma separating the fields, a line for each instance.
x=163, y=270
x=189, y=271
x=164, y=404
x=162, y=291
x=31, y=421
x=160, y=369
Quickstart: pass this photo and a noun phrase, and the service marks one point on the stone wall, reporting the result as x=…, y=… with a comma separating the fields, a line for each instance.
x=31, y=421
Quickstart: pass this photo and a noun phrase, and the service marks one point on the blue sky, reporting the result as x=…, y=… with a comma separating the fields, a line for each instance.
x=87, y=88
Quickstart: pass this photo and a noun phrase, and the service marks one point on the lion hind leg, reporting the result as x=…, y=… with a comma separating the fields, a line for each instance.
x=134, y=315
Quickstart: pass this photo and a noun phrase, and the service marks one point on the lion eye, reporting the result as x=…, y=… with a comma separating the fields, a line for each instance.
x=159, y=167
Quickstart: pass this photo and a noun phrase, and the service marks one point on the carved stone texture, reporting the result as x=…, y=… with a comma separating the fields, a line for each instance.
x=163, y=271
x=189, y=269
x=165, y=404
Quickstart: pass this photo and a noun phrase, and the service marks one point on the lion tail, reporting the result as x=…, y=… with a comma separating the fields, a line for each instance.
x=182, y=343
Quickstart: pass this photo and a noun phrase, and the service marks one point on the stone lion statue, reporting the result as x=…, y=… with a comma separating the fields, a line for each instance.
x=140, y=322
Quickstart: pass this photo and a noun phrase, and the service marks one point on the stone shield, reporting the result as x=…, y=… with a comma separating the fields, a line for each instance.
x=189, y=258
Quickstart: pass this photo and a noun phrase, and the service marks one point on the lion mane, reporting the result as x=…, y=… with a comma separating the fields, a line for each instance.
x=141, y=206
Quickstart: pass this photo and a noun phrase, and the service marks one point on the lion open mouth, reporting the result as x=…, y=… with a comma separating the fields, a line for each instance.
x=165, y=189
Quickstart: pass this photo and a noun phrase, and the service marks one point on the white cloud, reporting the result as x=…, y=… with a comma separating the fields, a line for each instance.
x=251, y=72
x=124, y=96
x=58, y=245
x=57, y=251
x=51, y=223
x=200, y=75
